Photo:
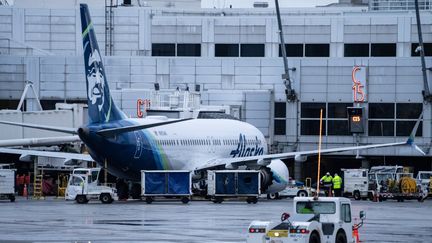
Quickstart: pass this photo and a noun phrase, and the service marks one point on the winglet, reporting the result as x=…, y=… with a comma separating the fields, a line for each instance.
x=410, y=140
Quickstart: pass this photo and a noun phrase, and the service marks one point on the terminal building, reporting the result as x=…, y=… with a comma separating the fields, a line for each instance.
x=350, y=54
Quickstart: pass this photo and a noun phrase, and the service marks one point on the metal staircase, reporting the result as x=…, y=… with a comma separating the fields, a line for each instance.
x=109, y=26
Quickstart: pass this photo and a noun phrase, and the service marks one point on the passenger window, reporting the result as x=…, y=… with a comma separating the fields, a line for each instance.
x=346, y=213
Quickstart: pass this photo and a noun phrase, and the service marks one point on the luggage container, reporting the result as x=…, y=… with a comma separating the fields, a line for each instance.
x=7, y=184
x=233, y=183
x=166, y=183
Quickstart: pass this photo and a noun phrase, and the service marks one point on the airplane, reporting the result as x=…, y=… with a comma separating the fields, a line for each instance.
x=129, y=145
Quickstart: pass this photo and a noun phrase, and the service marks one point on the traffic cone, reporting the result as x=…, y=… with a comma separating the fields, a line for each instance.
x=25, y=194
x=356, y=235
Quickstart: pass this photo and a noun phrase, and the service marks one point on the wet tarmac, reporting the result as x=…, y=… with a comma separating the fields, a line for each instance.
x=55, y=220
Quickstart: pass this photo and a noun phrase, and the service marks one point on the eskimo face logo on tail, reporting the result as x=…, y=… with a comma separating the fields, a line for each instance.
x=243, y=151
x=95, y=80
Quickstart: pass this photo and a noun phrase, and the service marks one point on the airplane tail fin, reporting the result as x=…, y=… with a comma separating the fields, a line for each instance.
x=101, y=107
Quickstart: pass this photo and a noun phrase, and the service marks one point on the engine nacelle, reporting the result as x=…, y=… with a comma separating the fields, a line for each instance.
x=274, y=177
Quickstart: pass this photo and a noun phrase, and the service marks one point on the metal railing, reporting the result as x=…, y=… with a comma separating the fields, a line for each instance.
x=394, y=5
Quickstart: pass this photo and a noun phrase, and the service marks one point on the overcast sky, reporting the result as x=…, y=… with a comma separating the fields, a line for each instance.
x=249, y=3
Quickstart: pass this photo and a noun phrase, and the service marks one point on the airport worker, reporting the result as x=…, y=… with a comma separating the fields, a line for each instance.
x=327, y=183
x=337, y=185
x=307, y=208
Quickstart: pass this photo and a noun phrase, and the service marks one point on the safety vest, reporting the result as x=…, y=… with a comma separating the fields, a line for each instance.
x=337, y=182
x=327, y=179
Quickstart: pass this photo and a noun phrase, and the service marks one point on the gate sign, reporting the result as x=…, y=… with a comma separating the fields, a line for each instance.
x=359, y=84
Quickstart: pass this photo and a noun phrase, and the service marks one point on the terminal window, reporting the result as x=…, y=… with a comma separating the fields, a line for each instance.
x=252, y=50
x=310, y=114
x=10, y=104
x=226, y=50
x=383, y=49
x=427, y=49
x=189, y=50
x=337, y=119
x=292, y=50
x=389, y=119
x=280, y=118
x=159, y=49
x=317, y=50
x=356, y=50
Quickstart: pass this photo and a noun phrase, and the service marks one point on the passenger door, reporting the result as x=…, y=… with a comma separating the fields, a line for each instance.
x=346, y=220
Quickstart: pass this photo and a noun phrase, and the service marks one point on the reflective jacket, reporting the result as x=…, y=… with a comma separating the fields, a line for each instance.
x=337, y=182
x=327, y=179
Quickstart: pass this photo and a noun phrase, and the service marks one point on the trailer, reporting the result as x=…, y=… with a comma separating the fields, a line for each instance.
x=166, y=183
x=7, y=184
x=223, y=184
x=355, y=183
x=424, y=179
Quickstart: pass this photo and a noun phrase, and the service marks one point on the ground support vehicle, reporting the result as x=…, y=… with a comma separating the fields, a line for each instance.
x=7, y=184
x=294, y=189
x=83, y=186
x=390, y=182
x=223, y=184
x=314, y=220
x=424, y=179
x=355, y=182
x=166, y=183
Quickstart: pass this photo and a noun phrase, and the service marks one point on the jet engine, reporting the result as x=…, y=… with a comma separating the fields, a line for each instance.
x=274, y=177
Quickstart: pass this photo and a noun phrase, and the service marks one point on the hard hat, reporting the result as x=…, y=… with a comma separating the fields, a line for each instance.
x=328, y=173
x=336, y=174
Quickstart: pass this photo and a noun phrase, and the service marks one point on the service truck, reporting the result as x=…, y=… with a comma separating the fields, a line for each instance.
x=83, y=186
x=391, y=182
x=355, y=183
x=7, y=184
x=314, y=220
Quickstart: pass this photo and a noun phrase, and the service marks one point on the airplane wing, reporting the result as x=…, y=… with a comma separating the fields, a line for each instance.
x=262, y=160
x=39, y=141
x=66, y=156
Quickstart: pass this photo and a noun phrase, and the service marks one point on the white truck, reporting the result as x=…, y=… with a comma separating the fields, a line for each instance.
x=355, y=182
x=293, y=189
x=83, y=186
x=7, y=184
x=424, y=179
x=314, y=220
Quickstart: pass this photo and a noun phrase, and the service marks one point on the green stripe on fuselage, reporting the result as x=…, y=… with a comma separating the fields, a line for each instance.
x=87, y=30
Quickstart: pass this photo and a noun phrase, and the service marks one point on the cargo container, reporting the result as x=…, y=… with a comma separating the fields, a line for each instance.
x=234, y=183
x=7, y=184
x=166, y=183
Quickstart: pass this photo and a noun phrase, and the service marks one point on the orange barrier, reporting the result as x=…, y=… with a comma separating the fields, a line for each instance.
x=356, y=235
x=25, y=194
